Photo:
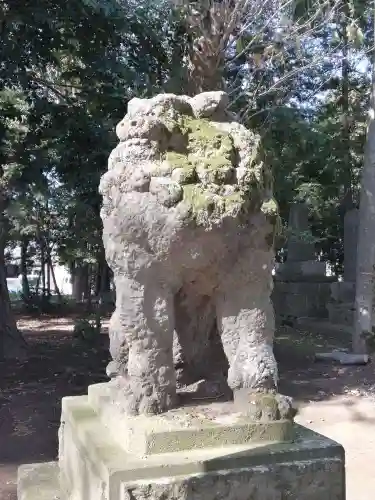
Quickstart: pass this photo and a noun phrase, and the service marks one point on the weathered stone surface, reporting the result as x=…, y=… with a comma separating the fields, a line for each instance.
x=312, y=480
x=341, y=307
x=299, y=480
x=188, y=224
x=167, y=191
x=93, y=465
x=188, y=220
x=206, y=104
x=193, y=427
x=264, y=407
x=342, y=304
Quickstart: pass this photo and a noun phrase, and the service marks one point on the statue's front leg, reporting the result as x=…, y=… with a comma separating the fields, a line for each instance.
x=148, y=384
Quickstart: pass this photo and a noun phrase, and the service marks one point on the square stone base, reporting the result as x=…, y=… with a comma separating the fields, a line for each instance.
x=343, y=291
x=94, y=465
x=185, y=428
x=341, y=307
x=341, y=313
x=298, y=271
x=301, y=299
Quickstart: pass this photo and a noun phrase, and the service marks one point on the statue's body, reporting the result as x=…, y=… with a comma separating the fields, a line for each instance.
x=187, y=217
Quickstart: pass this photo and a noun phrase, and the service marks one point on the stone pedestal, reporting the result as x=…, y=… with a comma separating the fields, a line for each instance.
x=304, y=299
x=302, y=290
x=196, y=452
x=305, y=270
x=341, y=305
x=301, y=284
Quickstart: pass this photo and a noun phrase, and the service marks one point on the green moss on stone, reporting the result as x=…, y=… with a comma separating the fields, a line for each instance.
x=233, y=200
x=270, y=208
x=198, y=198
x=187, y=171
x=206, y=139
x=212, y=150
x=178, y=160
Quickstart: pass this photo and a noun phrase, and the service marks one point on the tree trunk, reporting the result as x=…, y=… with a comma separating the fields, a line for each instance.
x=25, y=280
x=12, y=344
x=37, y=284
x=48, y=272
x=88, y=295
x=366, y=239
x=52, y=271
x=104, y=284
x=42, y=266
x=206, y=55
x=99, y=278
x=79, y=281
x=89, y=282
x=345, y=119
x=103, y=276
x=205, y=72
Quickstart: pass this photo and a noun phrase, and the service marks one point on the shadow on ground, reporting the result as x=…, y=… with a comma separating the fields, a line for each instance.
x=306, y=380
x=30, y=398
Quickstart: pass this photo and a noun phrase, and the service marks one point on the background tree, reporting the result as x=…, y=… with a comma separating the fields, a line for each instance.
x=12, y=133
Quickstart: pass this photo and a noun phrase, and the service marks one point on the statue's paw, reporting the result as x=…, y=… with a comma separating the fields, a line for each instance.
x=113, y=369
x=145, y=400
x=286, y=407
x=265, y=406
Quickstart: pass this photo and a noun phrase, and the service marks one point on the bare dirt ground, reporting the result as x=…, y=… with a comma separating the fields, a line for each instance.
x=335, y=401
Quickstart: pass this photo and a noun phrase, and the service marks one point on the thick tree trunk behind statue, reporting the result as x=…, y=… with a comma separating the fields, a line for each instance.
x=366, y=242
x=12, y=344
x=80, y=281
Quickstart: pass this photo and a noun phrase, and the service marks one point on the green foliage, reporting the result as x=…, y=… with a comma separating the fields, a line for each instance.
x=69, y=68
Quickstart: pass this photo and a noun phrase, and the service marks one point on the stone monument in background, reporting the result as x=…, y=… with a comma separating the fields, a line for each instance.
x=351, y=225
x=301, y=260
x=302, y=287
x=187, y=205
x=342, y=303
x=341, y=306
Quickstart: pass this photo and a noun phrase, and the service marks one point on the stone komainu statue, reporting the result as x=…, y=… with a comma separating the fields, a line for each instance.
x=188, y=224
